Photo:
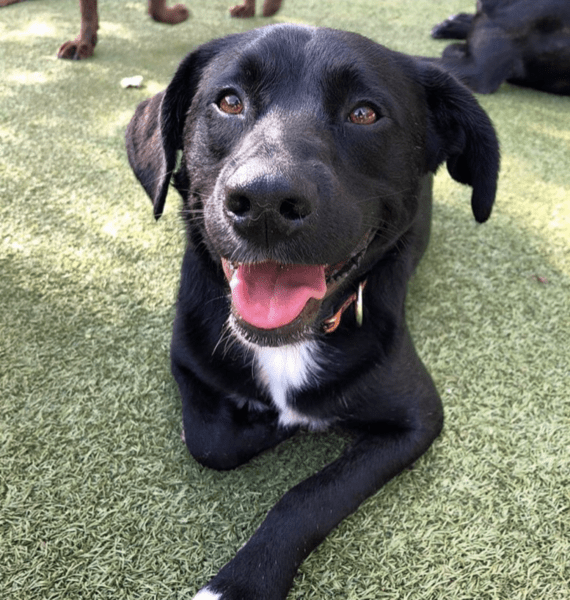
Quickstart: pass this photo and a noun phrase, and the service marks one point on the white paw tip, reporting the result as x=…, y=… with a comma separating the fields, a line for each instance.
x=206, y=594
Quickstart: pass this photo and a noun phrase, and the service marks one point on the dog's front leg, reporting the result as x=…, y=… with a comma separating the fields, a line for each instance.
x=84, y=44
x=218, y=432
x=265, y=567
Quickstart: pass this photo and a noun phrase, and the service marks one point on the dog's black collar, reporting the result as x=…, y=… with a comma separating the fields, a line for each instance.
x=329, y=325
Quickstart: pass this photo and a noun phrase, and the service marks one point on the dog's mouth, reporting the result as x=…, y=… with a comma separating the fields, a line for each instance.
x=271, y=297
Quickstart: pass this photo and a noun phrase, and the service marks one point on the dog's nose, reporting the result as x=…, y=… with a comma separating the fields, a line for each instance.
x=269, y=207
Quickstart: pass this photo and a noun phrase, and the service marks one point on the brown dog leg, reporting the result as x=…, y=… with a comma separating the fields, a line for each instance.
x=243, y=11
x=84, y=44
x=158, y=10
x=6, y=2
x=247, y=9
x=270, y=7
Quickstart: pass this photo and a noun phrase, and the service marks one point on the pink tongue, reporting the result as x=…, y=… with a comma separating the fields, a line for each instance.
x=269, y=295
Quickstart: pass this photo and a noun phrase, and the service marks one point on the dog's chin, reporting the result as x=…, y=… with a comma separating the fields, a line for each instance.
x=302, y=328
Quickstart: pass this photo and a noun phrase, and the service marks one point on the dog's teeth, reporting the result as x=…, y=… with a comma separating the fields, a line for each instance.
x=233, y=280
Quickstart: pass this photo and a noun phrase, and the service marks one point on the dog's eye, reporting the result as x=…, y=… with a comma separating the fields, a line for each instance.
x=231, y=104
x=363, y=115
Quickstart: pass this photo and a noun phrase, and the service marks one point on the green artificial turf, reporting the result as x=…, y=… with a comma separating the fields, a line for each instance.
x=98, y=496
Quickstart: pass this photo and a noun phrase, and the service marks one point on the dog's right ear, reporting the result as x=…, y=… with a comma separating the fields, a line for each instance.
x=155, y=132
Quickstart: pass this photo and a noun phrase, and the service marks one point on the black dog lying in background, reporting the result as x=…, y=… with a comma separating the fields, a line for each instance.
x=525, y=42
x=306, y=170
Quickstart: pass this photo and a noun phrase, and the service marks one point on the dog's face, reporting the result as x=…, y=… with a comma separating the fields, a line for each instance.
x=304, y=156
x=298, y=159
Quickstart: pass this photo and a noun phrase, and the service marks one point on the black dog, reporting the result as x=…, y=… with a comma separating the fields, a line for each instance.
x=524, y=42
x=306, y=169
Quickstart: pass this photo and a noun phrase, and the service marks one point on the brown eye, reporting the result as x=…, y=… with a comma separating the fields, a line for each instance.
x=363, y=115
x=231, y=105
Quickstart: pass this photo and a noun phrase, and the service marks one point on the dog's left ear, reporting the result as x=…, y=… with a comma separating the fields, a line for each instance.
x=461, y=134
x=155, y=132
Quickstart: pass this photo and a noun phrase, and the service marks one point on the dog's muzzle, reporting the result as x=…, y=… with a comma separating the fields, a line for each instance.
x=279, y=273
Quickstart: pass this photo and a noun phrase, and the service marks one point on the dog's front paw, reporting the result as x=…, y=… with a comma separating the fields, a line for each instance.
x=239, y=588
x=243, y=11
x=206, y=594
x=170, y=15
x=229, y=593
x=270, y=7
x=455, y=27
x=78, y=49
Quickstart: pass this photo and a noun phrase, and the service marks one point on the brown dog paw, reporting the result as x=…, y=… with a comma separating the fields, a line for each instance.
x=7, y=2
x=164, y=14
x=78, y=49
x=270, y=7
x=243, y=11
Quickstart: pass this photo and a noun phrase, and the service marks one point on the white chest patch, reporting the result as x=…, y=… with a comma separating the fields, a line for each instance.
x=285, y=369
